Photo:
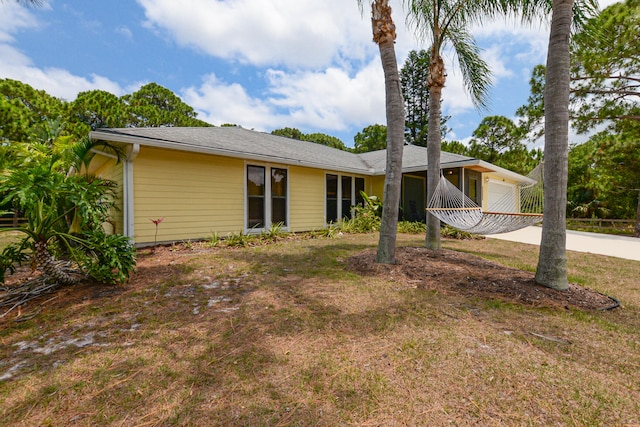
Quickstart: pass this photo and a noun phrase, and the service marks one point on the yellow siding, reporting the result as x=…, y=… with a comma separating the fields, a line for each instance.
x=199, y=194
x=196, y=194
x=306, y=199
x=100, y=165
x=377, y=187
x=108, y=168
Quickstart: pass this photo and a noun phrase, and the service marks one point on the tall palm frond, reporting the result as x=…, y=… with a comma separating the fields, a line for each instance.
x=36, y=3
x=475, y=71
x=443, y=23
x=583, y=10
x=83, y=151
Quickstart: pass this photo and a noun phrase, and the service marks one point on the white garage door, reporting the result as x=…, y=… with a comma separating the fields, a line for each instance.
x=501, y=197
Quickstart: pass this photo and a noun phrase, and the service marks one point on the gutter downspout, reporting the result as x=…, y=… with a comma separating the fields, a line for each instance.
x=128, y=202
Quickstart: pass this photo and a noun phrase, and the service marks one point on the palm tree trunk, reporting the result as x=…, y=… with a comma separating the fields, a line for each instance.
x=435, y=82
x=552, y=263
x=384, y=35
x=47, y=264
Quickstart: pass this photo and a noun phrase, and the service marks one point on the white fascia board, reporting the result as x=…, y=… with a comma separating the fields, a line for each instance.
x=507, y=173
x=491, y=167
x=171, y=145
x=104, y=154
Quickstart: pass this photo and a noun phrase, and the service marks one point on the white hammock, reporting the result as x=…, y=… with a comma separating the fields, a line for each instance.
x=515, y=210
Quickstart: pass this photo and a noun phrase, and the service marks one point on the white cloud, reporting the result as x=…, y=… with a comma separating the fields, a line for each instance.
x=293, y=33
x=16, y=65
x=218, y=102
x=57, y=82
x=527, y=44
x=329, y=100
x=14, y=18
x=125, y=32
x=494, y=56
x=325, y=73
x=11, y=57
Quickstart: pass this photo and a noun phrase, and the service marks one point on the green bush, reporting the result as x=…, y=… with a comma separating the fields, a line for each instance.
x=111, y=258
x=363, y=221
x=412, y=227
x=331, y=231
x=65, y=208
x=366, y=219
x=214, y=240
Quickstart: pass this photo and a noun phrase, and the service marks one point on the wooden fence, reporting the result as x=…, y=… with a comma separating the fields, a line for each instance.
x=11, y=222
x=619, y=226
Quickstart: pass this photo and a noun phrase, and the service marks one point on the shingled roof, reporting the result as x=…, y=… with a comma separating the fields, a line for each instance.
x=238, y=142
x=414, y=158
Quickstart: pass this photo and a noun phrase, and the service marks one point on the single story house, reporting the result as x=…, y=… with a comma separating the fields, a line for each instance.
x=230, y=179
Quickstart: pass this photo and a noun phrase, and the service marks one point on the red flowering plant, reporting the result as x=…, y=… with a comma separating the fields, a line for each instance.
x=157, y=223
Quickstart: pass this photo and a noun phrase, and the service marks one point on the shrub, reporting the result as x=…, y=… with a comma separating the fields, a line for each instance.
x=111, y=259
x=214, y=240
x=412, y=227
x=331, y=231
x=366, y=219
x=273, y=233
x=64, y=211
x=237, y=239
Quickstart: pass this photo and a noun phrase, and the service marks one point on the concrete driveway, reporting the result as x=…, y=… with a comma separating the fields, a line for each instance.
x=603, y=244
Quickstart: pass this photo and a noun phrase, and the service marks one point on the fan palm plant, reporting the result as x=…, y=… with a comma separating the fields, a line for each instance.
x=64, y=211
x=42, y=231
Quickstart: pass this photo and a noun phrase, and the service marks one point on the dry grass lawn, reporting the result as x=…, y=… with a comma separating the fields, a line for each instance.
x=288, y=335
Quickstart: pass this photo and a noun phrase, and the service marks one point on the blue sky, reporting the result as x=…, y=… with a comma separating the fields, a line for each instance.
x=260, y=64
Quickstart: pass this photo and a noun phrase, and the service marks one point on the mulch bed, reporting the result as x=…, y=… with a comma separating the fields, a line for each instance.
x=459, y=273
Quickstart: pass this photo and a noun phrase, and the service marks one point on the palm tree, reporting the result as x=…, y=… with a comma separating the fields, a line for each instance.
x=552, y=262
x=384, y=35
x=447, y=23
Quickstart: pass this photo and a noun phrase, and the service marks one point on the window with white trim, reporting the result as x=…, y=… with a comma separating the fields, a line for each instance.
x=342, y=193
x=267, y=197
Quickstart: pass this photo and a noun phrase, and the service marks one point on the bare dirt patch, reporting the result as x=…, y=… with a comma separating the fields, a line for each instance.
x=446, y=271
x=459, y=273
